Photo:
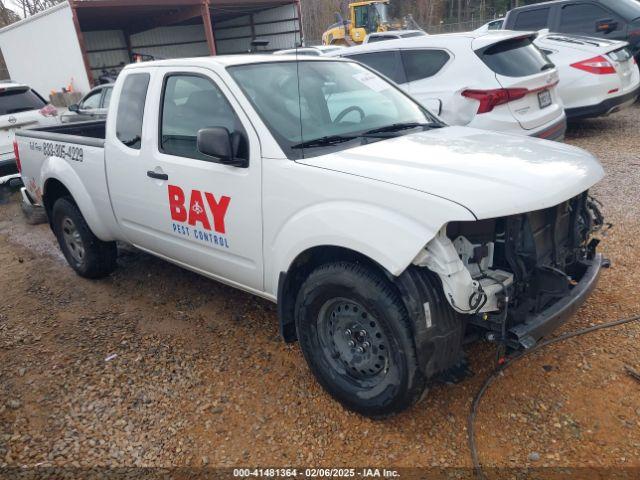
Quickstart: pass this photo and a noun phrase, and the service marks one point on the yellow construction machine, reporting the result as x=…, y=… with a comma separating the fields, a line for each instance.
x=364, y=17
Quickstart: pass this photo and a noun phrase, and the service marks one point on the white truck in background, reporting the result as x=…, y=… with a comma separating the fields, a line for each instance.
x=386, y=237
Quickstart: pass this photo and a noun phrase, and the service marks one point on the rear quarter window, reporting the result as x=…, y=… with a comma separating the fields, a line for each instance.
x=515, y=58
x=19, y=100
x=421, y=64
x=131, y=110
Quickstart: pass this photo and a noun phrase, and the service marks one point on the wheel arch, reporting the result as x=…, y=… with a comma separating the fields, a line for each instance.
x=290, y=281
x=59, y=181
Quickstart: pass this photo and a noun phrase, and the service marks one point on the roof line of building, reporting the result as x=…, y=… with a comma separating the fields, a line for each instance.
x=38, y=15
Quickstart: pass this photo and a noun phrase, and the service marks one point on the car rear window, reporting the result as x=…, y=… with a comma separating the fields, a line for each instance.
x=518, y=57
x=18, y=100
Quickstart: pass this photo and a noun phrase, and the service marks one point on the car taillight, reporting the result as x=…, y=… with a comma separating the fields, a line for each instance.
x=489, y=99
x=17, y=154
x=596, y=65
x=49, y=111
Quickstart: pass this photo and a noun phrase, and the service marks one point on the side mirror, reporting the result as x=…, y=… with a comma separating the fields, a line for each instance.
x=74, y=108
x=606, y=26
x=216, y=142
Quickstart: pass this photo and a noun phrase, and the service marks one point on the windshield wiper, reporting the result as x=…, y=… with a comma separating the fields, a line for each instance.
x=396, y=127
x=547, y=66
x=325, y=141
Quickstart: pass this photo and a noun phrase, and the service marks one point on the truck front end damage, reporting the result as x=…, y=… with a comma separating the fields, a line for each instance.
x=517, y=278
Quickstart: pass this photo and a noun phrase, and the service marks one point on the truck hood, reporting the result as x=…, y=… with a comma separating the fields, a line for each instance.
x=491, y=174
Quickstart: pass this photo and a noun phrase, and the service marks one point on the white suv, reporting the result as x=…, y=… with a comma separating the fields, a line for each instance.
x=494, y=81
x=20, y=107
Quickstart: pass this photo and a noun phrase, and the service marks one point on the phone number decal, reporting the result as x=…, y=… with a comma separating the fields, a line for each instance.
x=75, y=154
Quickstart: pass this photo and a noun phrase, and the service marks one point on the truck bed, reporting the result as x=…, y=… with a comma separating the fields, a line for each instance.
x=83, y=133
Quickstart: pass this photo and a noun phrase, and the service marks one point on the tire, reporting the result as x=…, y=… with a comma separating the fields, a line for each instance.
x=342, y=307
x=89, y=256
x=33, y=215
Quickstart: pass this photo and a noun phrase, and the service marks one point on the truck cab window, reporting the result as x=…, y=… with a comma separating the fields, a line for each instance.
x=189, y=104
x=584, y=18
x=131, y=110
x=532, y=19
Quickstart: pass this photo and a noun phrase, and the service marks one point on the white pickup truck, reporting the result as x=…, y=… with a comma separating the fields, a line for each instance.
x=387, y=238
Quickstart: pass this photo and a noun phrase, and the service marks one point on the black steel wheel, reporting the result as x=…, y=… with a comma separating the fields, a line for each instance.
x=89, y=256
x=355, y=335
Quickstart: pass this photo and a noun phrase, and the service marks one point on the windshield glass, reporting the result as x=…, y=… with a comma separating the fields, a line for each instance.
x=306, y=101
x=381, y=8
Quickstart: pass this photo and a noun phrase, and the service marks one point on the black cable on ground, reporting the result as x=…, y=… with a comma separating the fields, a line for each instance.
x=489, y=381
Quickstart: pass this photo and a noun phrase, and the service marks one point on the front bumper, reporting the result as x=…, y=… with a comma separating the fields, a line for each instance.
x=606, y=107
x=534, y=328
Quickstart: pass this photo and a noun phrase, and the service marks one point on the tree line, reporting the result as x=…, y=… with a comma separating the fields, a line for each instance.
x=432, y=15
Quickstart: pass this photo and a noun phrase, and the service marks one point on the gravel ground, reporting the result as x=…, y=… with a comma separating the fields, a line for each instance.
x=156, y=366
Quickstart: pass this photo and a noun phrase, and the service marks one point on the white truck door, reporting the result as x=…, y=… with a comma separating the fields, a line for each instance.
x=172, y=200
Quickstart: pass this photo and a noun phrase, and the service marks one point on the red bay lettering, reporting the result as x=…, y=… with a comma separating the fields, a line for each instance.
x=176, y=204
x=219, y=211
x=197, y=212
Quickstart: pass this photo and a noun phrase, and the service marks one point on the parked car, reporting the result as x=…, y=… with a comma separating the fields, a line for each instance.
x=310, y=51
x=498, y=81
x=94, y=106
x=385, y=237
x=597, y=76
x=610, y=19
x=20, y=107
x=393, y=35
x=496, y=24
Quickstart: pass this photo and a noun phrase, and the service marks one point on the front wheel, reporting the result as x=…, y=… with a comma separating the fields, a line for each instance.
x=89, y=256
x=355, y=334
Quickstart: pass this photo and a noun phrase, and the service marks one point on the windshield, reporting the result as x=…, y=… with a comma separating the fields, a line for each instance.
x=316, y=107
x=382, y=9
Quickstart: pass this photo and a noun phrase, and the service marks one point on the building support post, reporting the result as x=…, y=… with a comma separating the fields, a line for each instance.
x=208, y=27
x=80, y=35
x=300, y=27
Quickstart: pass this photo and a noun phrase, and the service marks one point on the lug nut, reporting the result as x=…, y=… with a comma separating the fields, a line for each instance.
x=347, y=333
x=366, y=345
x=352, y=344
x=360, y=350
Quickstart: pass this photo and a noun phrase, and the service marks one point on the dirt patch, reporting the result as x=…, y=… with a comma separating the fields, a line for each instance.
x=157, y=366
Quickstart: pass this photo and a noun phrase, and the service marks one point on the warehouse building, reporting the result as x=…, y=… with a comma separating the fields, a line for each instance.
x=76, y=41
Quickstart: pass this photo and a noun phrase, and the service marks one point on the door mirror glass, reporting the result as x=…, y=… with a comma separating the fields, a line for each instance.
x=217, y=142
x=74, y=108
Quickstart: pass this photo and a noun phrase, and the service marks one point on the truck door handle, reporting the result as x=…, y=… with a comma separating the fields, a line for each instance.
x=157, y=176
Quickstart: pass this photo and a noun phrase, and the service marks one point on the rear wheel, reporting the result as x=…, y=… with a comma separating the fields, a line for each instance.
x=89, y=256
x=355, y=335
